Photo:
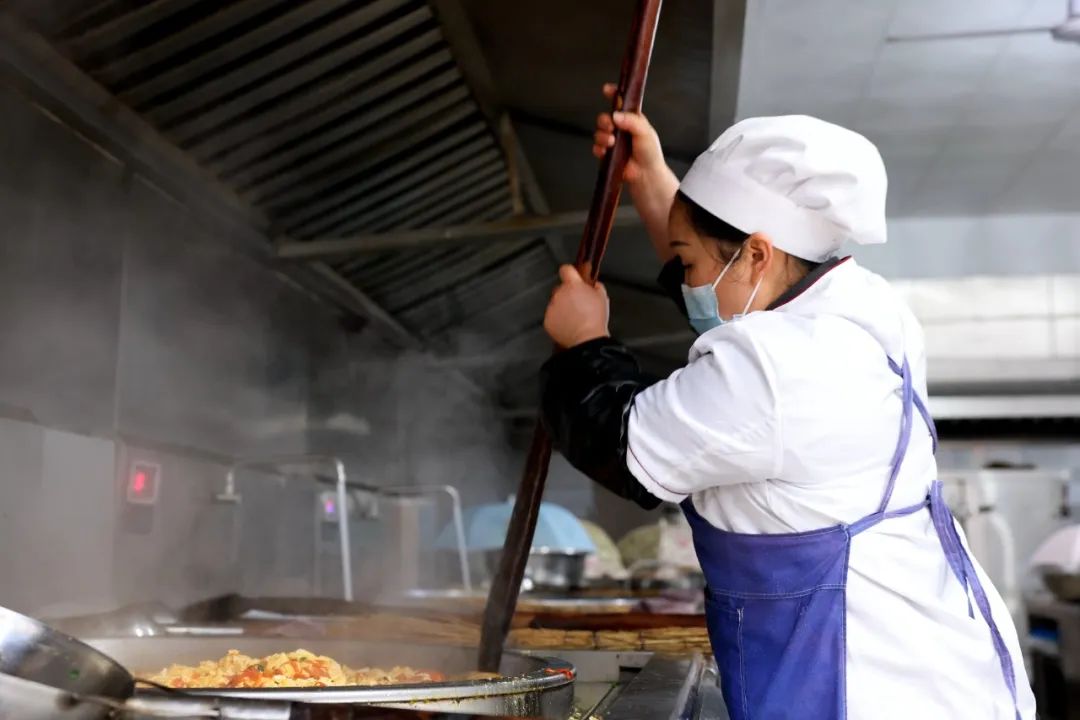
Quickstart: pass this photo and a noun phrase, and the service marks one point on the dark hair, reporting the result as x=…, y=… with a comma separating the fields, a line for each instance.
x=728, y=237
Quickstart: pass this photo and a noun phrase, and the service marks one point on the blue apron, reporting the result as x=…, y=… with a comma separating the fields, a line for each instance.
x=775, y=604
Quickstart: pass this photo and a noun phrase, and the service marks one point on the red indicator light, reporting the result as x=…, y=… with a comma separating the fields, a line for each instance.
x=143, y=483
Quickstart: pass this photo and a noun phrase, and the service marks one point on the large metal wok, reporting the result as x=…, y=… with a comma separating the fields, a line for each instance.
x=531, y=687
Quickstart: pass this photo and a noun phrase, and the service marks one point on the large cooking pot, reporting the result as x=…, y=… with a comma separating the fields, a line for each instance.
x=548, y=568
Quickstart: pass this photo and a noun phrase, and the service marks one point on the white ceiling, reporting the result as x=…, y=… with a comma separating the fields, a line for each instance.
x=966, y=127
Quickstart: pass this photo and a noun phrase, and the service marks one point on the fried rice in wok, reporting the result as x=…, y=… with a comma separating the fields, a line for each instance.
x=299, y=668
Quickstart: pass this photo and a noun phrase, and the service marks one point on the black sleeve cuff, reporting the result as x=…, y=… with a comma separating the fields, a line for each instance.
x=586, y=395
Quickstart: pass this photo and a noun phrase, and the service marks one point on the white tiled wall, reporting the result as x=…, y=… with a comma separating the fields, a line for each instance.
x=57, y=514
x=1067, y=337
x=1066, y=294
x=983, y=298
x=994, y=245
x=1030, y=338
x=76, y=514
x=22, y=450
x=998, y=320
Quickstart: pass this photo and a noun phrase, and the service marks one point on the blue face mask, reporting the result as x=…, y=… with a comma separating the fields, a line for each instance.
x=701, y=305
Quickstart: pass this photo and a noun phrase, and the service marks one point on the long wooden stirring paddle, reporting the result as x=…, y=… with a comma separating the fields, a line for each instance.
x=506, y=584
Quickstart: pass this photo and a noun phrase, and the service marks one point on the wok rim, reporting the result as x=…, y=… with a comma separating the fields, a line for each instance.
x=554, y=674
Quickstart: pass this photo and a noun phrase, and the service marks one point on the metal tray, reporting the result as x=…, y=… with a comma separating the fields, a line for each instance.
x=535, y=687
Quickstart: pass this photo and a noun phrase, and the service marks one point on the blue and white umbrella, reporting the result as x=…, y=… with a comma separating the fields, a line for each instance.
x=485, y=529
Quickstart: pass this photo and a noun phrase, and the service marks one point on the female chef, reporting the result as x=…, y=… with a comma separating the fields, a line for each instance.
x=796, y=437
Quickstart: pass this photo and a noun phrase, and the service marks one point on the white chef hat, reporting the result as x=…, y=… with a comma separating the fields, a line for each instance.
x=806, y=183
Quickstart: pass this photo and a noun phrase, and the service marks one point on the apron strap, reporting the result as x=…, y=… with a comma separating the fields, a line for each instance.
x=950, y=540
x=955, y=553
x=919, y=404
x=871, y=520
x=907, y=399
x=962, y=567
x=921, y=407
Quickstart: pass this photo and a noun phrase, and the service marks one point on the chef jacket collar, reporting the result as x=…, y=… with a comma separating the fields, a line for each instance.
x=807, y=282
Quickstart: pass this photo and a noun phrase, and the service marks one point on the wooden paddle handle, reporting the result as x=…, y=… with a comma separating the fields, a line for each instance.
x=629, y=94
x=505, y=586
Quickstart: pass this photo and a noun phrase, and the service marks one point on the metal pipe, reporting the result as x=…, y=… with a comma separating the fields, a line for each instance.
x=458, y=517
x=316, y=547
x=506, y=139
x=343, y=529
x=229, y=494
x=514, y=228
x=459, y=530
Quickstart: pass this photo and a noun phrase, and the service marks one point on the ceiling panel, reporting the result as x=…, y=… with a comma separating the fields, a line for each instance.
x=973, y=140
x=966, y=126
x=947, y=16
x=888, y=115
x=549, y=59
x=1050, y=181
x=968, y=185
x=906, y=171
x=1068, y=133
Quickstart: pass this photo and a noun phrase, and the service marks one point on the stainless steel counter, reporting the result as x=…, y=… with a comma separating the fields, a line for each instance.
x=639, y=685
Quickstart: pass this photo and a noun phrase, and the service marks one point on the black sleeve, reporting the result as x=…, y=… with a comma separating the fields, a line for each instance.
x=586, y=396
x=671, y=280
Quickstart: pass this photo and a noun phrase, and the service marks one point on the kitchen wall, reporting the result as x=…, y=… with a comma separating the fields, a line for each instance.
x=965, y=455
x=132, y=331
x=996, y=329
x=429, y=427
x=996, y=245
x=998, y=295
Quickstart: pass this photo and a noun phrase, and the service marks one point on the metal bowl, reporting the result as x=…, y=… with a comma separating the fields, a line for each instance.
x=1064, y=586
x=548, y=568
x=556, y=569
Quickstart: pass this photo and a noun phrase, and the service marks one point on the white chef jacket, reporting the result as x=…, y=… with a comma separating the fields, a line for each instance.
x=786, y=421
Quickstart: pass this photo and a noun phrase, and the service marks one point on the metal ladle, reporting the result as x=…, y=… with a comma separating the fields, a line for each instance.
x=33, y=655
